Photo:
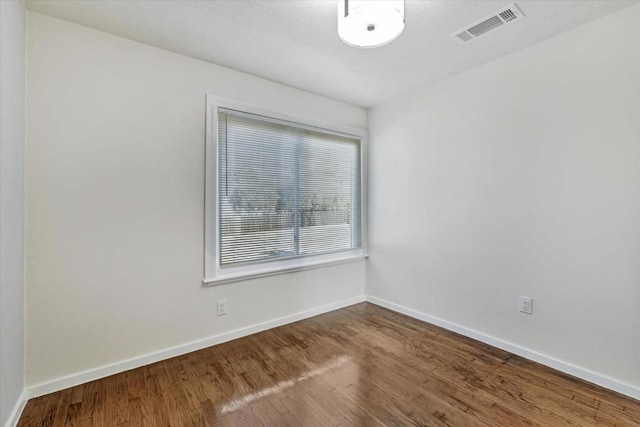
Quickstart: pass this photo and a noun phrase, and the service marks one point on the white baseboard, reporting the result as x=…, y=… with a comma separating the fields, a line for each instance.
x=125, y=365
x=14, y=417
x=568, y=368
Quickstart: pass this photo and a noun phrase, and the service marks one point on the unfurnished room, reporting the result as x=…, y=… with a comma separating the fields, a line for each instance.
x=319, y=213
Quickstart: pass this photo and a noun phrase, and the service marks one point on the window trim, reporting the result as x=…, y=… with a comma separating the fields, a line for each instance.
x=213, y=273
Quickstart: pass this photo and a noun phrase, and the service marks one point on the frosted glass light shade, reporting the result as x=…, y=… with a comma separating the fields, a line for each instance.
x=370, y=23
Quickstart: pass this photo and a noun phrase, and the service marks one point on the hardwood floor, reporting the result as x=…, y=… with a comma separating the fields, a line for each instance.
x=362, y=365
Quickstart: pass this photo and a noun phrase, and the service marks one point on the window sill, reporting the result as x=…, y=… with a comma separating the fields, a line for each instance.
x=255, y=274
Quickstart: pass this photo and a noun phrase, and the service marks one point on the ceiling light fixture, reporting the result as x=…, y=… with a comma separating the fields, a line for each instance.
x=370, y=23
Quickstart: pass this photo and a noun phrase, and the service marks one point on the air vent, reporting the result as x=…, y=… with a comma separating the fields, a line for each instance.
x=508, y=15
x=501, y=18
x=464, y=36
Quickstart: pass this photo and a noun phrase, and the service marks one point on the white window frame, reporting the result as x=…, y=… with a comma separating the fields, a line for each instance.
x=213, y=273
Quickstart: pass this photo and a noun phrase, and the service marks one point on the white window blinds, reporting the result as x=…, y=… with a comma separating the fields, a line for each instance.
x=285, y=190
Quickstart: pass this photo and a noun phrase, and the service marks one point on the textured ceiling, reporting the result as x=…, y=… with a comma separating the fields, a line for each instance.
x=295, y=41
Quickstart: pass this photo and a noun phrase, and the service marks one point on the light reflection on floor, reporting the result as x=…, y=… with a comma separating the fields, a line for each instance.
x=281, y=386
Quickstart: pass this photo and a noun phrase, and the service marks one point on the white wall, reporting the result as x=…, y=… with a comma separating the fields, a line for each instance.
x=12, y=88
x=520, y=177
x=115, y=190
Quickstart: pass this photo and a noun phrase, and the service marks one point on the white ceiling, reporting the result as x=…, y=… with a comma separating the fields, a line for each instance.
x=295, y=41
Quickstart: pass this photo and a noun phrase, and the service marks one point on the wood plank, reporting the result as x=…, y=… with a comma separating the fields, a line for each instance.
x=362, y=365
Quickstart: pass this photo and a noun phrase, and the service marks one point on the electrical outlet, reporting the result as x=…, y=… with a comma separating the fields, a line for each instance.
x=526, y=305
x=222, y=307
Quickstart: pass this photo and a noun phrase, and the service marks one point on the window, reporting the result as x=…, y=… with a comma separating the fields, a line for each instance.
x=281, y=194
